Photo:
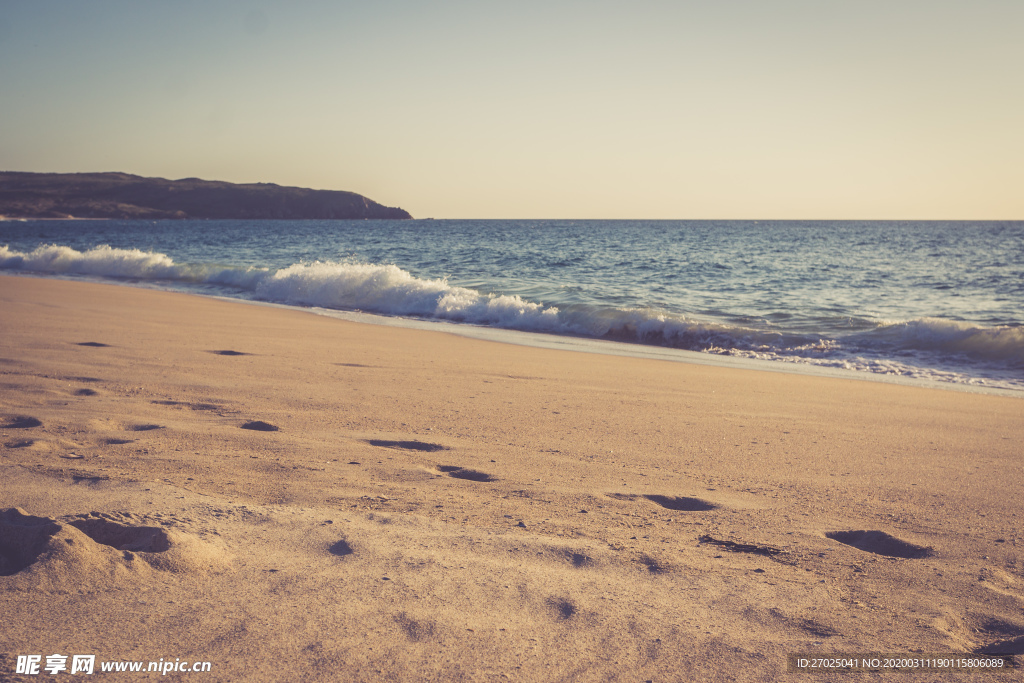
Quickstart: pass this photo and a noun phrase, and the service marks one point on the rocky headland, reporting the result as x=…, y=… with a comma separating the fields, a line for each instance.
x=126, y=196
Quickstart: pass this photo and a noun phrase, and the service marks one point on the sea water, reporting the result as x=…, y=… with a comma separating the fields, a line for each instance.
x=940, y=301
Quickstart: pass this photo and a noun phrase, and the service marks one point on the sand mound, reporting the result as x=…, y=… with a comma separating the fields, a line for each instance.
x=94, y=553
x=163, y=549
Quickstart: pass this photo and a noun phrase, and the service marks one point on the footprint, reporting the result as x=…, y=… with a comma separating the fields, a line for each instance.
x=85, y=392
x=563, y=609
x=98, y=345
x=341, y=548
x=655, y=566
x=681, y=503
x=1013, y=646
x=779, y=619
x=465, y=473
x=144, y=428
x=734, y=547
x=416, y=630
x=23, y=539
x=117, y=442
x=139, y=539
x=408, y=445
x=90, y=479
x=229, y=352
x=880, y=543
x=678, y=503
x=22, y=422
x=91, y=550
x=162, y=549
x=580, y=561
x=817, y=629
x=23, y=443
x=260, y=426
x=193, y=406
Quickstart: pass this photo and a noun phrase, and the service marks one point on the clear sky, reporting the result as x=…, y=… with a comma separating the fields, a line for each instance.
x=550, y=109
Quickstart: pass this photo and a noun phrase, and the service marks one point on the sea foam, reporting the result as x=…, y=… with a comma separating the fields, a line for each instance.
x=930, y=347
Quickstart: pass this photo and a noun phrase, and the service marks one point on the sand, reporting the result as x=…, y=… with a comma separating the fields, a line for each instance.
x=292, y=497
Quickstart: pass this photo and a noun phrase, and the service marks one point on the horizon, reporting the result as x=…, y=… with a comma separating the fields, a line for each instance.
x=785, y=110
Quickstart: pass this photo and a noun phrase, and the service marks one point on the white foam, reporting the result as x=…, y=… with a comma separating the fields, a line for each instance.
x=928, y=347
x=102, y=261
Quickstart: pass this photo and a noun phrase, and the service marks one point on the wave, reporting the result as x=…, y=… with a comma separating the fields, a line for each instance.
x=887, y=347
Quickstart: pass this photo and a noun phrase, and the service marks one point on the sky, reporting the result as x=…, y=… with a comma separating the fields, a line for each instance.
x=731, y=109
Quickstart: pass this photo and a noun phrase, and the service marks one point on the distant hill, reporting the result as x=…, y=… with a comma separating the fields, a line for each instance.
x=120, y=195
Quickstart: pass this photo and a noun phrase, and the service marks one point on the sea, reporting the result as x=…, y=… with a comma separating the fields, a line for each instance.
x=928, y=302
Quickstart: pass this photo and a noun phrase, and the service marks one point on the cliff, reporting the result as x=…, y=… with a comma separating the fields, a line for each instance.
x=120, y=195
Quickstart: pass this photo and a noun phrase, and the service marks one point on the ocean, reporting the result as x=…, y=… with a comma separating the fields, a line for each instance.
x=929, y=301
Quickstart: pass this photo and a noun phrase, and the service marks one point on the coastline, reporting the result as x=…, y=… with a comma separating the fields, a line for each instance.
x=425, y=489
x=577, y=343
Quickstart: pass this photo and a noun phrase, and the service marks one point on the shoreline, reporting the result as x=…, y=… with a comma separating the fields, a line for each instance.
x=437, y=507
x=546, y=340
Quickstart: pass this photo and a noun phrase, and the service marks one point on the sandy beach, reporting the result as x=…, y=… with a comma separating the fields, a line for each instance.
x=292, y=497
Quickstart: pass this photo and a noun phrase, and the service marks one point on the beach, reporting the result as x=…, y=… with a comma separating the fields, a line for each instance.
x=293, y=497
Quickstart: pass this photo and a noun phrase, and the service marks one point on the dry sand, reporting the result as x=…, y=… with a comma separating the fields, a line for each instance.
x=432, y=507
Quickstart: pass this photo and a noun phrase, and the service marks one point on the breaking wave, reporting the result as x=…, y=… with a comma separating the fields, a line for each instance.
x=931, y=347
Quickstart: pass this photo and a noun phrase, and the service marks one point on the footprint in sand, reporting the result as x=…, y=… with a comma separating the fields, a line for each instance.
x=140, y=539
x=416, y=630
x=229, y=352
x=23, y=539
x=341, y=548
x=22, y=443
x=85, y=392
x=678, y=503
x=581, y=561
x=21, y=422
x=779, y=619
x=880, y=543
x=98, y=345
x=563, y=609
x=144, y=428
x=260, y=426
x=27, y=540
x=162, y=549
x=1010, y=635
x=1013, y=646
x=681, y=503
x=465, y=473
x=654, y=565
x=408, y=445
x=734, y=547
x=192, y=406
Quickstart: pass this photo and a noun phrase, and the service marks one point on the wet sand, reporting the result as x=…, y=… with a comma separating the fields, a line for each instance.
x=292, y=497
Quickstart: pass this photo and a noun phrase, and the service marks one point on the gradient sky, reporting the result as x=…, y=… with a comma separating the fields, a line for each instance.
x=868, y=109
